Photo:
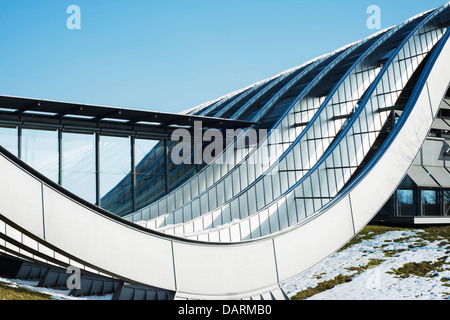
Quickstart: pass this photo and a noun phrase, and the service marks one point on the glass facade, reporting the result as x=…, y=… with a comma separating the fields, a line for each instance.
x=8, y=139
x=446, y=202
x=40, y=151
x=417, y=202
x=406, y=205
x=69, y=159
x=115, y=167
x=430, y=201
x=78, y=167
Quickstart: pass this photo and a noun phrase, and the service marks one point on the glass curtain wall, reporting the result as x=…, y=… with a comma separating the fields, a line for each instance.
x=416, y=202
x=40, y=151
x=114, y=165
x=117, y=175
x=78, y=175
x=406, y=205
x=144, y=159
x=431, y=202
x=446, y=200
x=8, y=139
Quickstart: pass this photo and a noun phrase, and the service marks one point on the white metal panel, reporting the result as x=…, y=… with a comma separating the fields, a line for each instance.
x=105, y=243
x=235, y=233
x=13, y=233
x=214, y=236
x=216, y=218
x=265, y=223
x=207, y=221
x=188, y=228
x=22, y=202
x=178, y=216
x=314, y=240
x=255, y=230
x=254, y=263
x=224, y=235
x=244, y=229
x=176, y=230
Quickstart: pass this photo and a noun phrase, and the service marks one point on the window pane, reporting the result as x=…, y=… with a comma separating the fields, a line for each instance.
x=115, y=181
x=142, y=149
x=149, y=175
x=447, y=202
x=148, y=161
x=40, y=150
x=388, y=209
x=405, y=201
x=8, y=139
x=430, y=203
x=79, y=165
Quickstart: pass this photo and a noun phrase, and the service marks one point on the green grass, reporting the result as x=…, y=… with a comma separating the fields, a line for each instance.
x=11, y=293
x=445, y=282
x=421, y=269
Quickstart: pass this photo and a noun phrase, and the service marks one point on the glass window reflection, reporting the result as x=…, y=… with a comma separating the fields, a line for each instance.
x=115, y=168
x=430, y=203
x=79, y=165
x=405, y=201
x=446, y=199
x=8, y=139
x=40, y=151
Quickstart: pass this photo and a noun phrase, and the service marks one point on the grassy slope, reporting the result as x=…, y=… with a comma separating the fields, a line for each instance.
x=12, y=293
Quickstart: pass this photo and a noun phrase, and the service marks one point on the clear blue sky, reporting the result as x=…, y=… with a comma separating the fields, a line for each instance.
x=172, y=55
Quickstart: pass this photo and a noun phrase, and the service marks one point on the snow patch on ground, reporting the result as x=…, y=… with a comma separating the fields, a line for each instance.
x=377, y=283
